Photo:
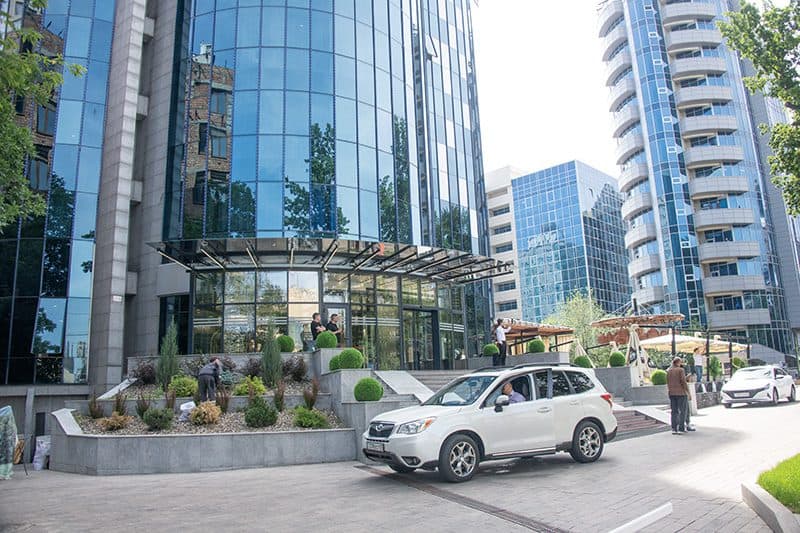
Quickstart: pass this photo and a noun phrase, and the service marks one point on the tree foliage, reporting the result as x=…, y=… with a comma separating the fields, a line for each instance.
x=771, y=41
x=25, y=71
x=168, y=364
x=578, y=312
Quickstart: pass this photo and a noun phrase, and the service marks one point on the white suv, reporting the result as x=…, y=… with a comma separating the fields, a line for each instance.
x=561, y=408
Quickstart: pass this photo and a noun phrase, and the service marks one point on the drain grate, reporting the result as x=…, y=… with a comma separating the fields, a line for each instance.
x=465, y=501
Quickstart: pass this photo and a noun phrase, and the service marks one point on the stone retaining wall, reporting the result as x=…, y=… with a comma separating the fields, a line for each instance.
x=102, y=455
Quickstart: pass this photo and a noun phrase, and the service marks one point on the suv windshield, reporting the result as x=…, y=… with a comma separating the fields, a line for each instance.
x=754, y=373
x=463, y=391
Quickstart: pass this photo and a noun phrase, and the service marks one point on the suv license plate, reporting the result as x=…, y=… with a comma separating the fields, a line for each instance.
x=376, y=446
x=741, y=395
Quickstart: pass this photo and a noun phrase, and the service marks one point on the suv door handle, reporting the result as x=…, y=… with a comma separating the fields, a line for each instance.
x=544, y=409
x=575, y=402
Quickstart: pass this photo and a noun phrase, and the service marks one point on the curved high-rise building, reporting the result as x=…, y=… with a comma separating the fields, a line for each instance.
x=325, y=157
x=699, y=229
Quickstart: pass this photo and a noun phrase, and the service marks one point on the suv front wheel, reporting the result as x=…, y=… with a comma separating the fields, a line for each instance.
x=587, y=442
x=458, y=459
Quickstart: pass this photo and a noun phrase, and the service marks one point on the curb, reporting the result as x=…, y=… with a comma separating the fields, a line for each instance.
x=771, y=511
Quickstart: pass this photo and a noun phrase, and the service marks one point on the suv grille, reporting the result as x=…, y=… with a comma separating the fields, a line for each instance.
x=380, y=429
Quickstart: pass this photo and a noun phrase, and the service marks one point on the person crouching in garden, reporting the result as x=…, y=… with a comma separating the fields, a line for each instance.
x=207, y=380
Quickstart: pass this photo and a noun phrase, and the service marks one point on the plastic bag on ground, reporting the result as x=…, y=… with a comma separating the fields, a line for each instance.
x=42, y=452
x=186, y=410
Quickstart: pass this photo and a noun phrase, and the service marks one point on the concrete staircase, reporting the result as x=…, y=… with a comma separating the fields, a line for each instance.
x=436, y=379
x=631, y=423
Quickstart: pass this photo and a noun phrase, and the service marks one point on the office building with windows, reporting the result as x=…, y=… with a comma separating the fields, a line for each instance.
x=700, y=219
x=500, y=208
x=569, y=238
x=235, y=166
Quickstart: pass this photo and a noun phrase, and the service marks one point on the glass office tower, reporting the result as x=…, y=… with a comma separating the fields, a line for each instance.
x=46, y=263
x=325, y=156
x=569, y=239
x=699, y=232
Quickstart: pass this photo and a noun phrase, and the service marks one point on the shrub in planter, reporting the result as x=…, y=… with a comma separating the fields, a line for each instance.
x=169, y=398
x=229, y=379
x=714, y=367
x=280, y=393
x=168, y=365
x=536, y=346
x=183, y=386
x=142, y=405
x=260, y=415
x=368, y=390
x=583, y=362
x=295, y=367
x=252, y=367
x=310, y=418
x=658, y=377
x=95, y=409
x=223, y=398
x=205, y=414
x=616, y=359
x=145, y=372
x=244, y=386
x=158, y=419
x=326, y=339
x=286, y=343
x=738, y=363
x=271, y=363
x=115, y=421
x=490, y=349
x=310, y=393
x=119, y=403
x=351, y=358
x=335, y=363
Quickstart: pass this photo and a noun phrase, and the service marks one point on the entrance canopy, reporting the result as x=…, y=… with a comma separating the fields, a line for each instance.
x=434, y=264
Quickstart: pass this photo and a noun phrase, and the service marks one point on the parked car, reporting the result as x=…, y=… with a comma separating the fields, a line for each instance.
x=471, y=420
x=759, y=384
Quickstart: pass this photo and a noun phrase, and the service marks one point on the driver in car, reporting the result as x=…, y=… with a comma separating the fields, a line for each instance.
x=513, y=396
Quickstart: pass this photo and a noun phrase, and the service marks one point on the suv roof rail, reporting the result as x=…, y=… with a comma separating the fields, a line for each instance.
x=525, y=365
x=485, y=368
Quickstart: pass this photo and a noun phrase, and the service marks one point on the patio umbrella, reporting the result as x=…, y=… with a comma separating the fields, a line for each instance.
x=687, y=344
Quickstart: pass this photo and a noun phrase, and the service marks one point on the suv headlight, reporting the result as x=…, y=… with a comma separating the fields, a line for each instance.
x=417, y=426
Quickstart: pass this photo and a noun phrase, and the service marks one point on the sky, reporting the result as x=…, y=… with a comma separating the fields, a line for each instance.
x=541, y=84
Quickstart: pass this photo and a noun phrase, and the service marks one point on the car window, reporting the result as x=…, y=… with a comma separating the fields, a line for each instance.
x=520, y=384
x=540, y=384
x=560, y=384
x=463, y=391
x=580, y=382
x=780, y=372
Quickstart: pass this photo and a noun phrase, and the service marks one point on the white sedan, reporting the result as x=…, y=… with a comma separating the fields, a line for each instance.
x=759, y=384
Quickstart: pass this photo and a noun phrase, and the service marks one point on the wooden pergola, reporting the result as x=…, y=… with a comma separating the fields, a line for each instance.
x=522, y=332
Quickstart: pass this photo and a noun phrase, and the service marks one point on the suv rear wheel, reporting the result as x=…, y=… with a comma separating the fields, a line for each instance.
x=458, y=459
x=587, y=442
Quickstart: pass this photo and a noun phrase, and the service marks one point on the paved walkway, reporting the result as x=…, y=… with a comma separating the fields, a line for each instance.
x=699, y=473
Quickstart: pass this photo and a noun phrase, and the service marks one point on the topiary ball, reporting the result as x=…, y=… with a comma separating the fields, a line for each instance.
x=658, y=377
x=616, y=359
x=536, y=346
x=335, y=363
x=490, y=349
x=351, y=358
x=583, y=362
x=326, y=339
x=286, y=343
x=368, y=390
x=157, y=419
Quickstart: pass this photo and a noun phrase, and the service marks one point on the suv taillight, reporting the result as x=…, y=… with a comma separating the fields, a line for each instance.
x=607, y=397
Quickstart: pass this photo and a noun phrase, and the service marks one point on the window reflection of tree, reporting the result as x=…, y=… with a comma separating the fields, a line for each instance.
x=394, y=195
x=310, y=213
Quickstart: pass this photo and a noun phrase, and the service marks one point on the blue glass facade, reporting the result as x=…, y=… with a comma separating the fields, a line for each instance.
x=348, y=119
x=569, y=238
x=46, y=263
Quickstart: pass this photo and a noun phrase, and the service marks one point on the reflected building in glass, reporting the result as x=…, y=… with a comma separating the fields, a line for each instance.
x=569, y=239
x=701, y=217
x=234, y=166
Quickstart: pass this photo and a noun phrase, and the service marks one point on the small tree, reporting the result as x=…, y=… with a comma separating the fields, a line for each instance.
x=168, y=365
x=271, y=359
x=578, y=313
x=714, y=367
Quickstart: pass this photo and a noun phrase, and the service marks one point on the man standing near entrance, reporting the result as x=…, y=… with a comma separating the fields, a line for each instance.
x=678, y=391
x=316, y=329
x=500, y=337
x=333, y=327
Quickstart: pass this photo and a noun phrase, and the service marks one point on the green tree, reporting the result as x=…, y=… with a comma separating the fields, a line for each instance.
x=26, y=72
x=771, y=41
x=168, y=364
x=578, y=312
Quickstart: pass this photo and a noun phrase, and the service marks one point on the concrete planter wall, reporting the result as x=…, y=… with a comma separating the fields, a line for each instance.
x=708, y=399
x=358, y=415
x=236, y=403
x=340, y=383
x=321, y=360
x=74, y=451
x=649, y=395
x=617, y=380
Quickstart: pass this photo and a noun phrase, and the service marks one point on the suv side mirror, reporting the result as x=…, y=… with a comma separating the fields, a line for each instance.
x=500, y=402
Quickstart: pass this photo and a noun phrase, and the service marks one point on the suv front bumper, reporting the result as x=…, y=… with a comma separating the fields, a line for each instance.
x=412, y=451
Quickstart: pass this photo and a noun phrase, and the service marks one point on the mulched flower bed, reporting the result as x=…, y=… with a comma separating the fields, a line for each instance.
x=228, y=423
x=155, y=392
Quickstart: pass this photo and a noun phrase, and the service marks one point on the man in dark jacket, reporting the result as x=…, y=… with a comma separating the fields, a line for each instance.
x=207, y=380
x=678, y=390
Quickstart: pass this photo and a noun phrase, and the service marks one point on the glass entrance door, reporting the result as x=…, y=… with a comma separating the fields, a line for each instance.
x=343, y=314
x=421, y=339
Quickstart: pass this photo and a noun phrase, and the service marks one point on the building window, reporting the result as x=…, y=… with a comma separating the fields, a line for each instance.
x=507, y=306
x=502, y=229
x=219, y=143
x=175, y=309
x=506, y=286
x=219, y=102
x=503, y=248
x=19, y=105
x=199, y=191
x=46, y=120
x=501, y=211
x=40, y=170
x=202, y=138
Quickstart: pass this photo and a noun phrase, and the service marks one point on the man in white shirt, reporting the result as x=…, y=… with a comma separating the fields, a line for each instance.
x=699, y=363
x=500, y=339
